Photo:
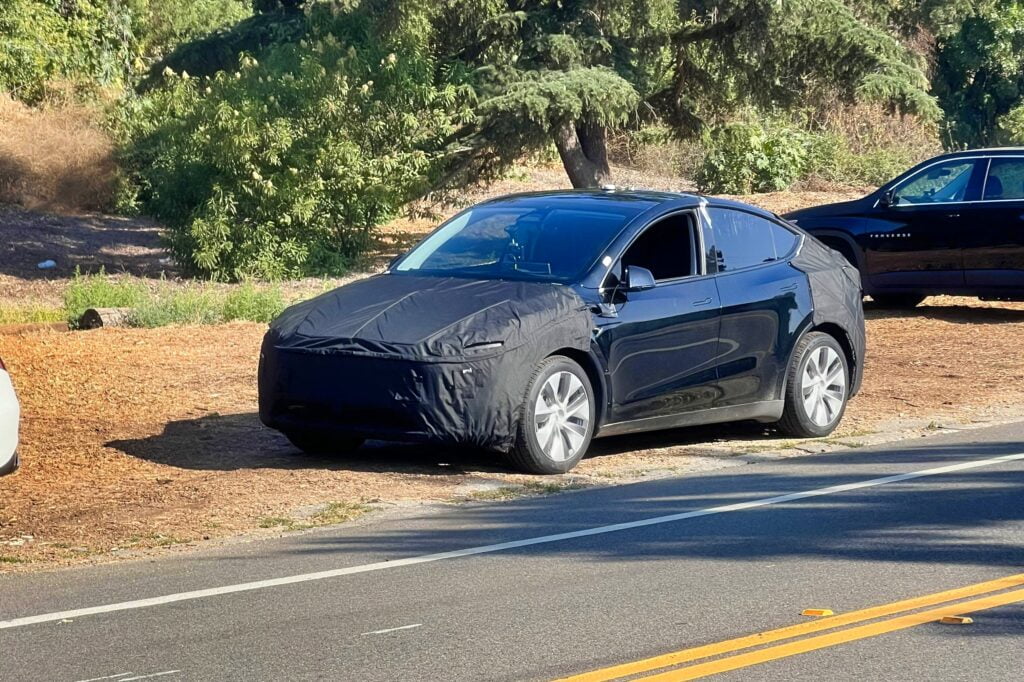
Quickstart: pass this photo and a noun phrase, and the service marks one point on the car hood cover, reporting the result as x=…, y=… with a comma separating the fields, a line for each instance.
x=430, y=318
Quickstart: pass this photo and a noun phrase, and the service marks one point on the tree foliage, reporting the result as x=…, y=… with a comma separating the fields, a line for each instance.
x=564, y=72
x=283, y=167
x=979, y=73
x=97, y=43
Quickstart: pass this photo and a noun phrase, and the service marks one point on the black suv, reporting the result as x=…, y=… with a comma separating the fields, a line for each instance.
x=951, y=225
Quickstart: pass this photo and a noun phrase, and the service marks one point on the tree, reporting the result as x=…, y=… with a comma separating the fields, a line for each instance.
x=566, y=71
x=979, y=73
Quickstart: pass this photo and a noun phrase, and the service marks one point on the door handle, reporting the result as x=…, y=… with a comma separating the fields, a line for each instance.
x=790, y=287
x=706, y=301
x=952, y=215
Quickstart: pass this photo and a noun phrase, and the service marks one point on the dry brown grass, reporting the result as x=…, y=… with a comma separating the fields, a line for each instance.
x=55, y=158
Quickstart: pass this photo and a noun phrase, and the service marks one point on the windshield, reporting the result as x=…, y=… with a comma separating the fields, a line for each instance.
x=525, y=241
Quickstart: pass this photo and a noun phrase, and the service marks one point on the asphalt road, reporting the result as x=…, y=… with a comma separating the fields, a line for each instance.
x=552, y=587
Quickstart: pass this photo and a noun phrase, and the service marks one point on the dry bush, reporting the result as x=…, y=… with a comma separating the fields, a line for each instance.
x=656, y=151
x=55, y=158
x=867, y=128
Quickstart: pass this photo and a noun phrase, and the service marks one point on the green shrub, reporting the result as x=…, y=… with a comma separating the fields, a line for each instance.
x=855, y=145
x=248, y=302
x=100, y=291
x=88, y=42
x=284, y=167
x=193, y=304
x=741, y=158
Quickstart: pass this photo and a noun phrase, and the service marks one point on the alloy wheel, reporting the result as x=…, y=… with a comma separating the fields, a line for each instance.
x=562, y=416
x=823, y=386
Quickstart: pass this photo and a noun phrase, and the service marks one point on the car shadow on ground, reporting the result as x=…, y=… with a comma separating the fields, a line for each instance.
x=959, y=314
x=239, y=441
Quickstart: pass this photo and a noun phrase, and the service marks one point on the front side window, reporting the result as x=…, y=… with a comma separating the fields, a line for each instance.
x=1005, y=180
x=517, y=241
x=743, y=239
x=666, y=248
x=944, y=182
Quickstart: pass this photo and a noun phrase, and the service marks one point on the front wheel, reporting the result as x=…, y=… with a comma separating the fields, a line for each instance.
x=816, y=388
x=557, y=418
x=314, y=442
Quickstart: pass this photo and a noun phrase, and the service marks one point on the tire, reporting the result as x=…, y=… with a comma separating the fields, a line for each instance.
x=810, y=412
x=897, y=301
x=554, y=441
x=323, y=442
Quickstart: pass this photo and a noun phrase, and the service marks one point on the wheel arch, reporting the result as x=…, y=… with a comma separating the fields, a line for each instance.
x=848, y=246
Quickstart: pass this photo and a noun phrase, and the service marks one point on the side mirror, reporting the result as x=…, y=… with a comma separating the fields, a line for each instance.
x=636, y=278
x=888, y=198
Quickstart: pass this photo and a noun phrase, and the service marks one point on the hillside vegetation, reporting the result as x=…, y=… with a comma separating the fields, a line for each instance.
x=272, y=138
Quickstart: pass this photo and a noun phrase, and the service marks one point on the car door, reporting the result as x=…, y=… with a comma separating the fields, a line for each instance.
x=765, y=302
x=660, y=344
x=993, y=231
x=919, y=245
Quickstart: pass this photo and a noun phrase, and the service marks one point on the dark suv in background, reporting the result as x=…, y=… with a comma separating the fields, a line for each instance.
x=951, y=225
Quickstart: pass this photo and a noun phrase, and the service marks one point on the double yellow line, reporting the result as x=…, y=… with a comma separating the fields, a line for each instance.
x=795, y=632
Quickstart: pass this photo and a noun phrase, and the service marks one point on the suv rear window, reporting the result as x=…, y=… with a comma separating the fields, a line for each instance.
x=1005, y=180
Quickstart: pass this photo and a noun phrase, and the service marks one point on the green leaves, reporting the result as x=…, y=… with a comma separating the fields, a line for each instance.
x=979, y=73
x=283, y=167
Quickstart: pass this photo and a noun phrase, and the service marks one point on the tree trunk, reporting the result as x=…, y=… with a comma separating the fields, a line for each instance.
x=584, y=154
x=594, y=142
x=94, y=318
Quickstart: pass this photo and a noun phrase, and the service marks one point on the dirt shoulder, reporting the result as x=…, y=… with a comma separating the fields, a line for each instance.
x=135, y=440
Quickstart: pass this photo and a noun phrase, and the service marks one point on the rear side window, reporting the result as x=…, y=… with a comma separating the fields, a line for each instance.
x=743, y=239
x=1005, y=180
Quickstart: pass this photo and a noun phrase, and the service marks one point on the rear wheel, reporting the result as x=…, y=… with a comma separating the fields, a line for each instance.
x=557, y=421
x=816, y=388
x=323, y=442
x=897, y=301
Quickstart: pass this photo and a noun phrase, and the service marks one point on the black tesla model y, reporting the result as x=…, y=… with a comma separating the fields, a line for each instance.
x=530, y=324
x=951, y=225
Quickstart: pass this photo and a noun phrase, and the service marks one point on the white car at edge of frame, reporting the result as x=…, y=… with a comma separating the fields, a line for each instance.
x=9, y=415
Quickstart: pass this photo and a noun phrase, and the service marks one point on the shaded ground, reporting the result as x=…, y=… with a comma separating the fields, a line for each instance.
x=146, y=438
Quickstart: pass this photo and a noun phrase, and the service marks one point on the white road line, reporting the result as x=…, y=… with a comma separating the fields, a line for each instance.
x=384, y=632
x=108, y=677
x=500, y=547
x=146, y=677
